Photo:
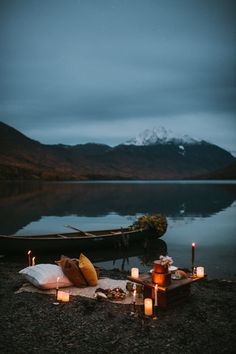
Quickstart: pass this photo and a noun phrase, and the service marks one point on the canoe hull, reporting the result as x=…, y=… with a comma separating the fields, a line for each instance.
x=17, y=245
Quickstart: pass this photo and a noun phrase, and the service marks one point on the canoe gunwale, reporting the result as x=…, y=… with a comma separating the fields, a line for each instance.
x=76, y=235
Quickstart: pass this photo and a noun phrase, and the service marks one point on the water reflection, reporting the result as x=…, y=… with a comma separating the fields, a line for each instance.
x=22, y=203
x=120, y=256
x=203, y=213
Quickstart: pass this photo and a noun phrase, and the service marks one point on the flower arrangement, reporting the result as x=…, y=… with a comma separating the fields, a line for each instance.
x=156, y=223
x=166, y=261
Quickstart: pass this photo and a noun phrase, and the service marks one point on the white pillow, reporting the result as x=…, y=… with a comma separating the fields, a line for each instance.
x=45, y=276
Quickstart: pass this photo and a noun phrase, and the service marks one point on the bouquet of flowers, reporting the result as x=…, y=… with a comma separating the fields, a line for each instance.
x=156, y=223
x=166, y=261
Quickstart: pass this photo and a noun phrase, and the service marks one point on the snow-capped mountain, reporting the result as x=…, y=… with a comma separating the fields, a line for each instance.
x=161, y=156
x=161, y=135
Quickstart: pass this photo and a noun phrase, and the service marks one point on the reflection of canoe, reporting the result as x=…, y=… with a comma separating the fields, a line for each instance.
x=147, y=249
x=73, y=241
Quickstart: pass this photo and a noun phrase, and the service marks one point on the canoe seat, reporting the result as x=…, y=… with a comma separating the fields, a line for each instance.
x=62, y=236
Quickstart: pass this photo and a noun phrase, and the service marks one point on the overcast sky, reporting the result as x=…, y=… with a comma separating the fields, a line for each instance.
x=76, y=71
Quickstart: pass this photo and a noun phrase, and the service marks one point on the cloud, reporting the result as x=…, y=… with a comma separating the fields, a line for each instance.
x=76, y=66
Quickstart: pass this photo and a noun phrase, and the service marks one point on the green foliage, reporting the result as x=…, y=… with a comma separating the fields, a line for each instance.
x=157, y=223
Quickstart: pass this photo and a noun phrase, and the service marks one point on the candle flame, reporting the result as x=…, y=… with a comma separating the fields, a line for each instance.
x=193, y=244
x=29, y=252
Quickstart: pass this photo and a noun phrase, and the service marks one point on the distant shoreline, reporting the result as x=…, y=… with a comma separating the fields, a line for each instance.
x=127, y=181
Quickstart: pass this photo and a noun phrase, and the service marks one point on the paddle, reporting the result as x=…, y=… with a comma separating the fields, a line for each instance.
x=76, y=229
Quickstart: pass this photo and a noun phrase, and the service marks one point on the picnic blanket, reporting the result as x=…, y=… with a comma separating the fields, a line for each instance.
x=88, y=291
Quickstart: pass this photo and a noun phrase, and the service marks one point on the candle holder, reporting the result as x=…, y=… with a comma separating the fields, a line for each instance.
x=134, y=296
x=129, y=288
x=56, y=296
x=155, y=313
x=134, y=306
x=194, y=272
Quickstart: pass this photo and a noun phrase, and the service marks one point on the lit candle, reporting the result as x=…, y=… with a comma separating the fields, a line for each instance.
x=156, y=289
x=193, y=254
x=200, y=272
x=66, y=297
x=63, y=296
x=134, y=293
x=33, y=261
x=58, y=278
x=57, y=287
x=29, y=258
x=134, y=272
x=148, y=307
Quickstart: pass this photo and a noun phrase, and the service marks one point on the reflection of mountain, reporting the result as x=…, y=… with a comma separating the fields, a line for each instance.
x=23, y=203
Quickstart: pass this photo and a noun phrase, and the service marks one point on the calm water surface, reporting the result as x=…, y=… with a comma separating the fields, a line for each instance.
x=200, y=212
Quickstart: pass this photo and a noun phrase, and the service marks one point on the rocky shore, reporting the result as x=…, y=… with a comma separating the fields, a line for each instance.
x=30, y=323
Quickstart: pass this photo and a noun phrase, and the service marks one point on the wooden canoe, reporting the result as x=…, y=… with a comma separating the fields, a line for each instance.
x=77, y=241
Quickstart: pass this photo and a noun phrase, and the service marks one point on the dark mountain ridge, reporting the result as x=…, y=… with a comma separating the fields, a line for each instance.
x=24, y=158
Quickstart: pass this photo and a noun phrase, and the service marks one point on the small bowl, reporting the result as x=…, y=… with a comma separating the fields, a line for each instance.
x=172, y=269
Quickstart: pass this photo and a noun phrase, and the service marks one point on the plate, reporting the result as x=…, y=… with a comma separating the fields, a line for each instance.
x=172, y=268
x=175, y=277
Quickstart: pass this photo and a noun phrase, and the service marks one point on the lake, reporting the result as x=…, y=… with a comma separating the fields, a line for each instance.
x=203, y=212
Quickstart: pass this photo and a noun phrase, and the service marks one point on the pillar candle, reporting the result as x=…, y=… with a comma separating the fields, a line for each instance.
x=148, y=307
x=134, y=272
x=156, y=289
x=200, y=272
x=193, y=253
x=63, y=296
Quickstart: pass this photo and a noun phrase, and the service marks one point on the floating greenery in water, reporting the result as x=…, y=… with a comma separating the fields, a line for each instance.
x=157, y=223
